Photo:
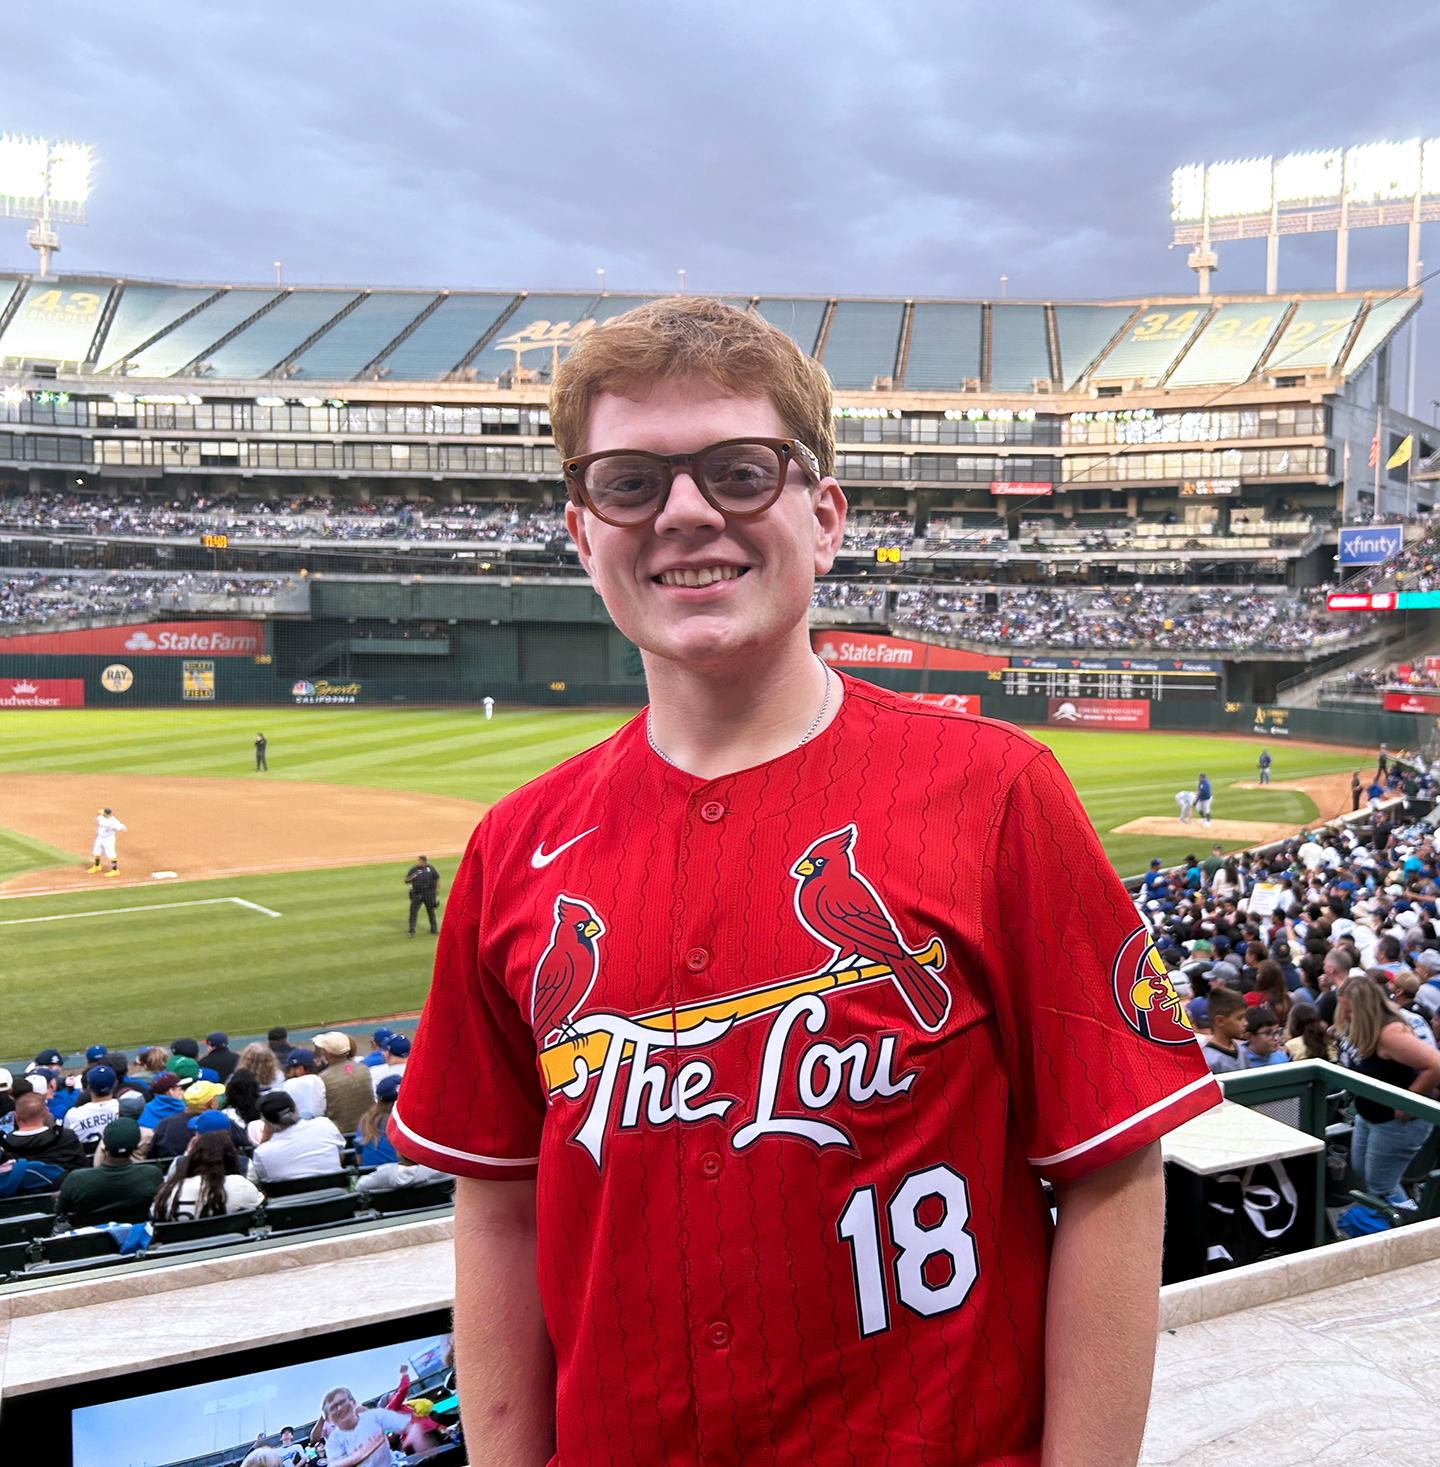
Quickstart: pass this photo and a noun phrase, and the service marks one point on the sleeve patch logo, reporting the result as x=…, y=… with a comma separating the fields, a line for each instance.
x=1145, y=995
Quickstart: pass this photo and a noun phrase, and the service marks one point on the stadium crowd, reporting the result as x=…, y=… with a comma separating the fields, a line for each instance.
x=1326, y=946
x=1169, y=619
x=33, y=597
x=303, y=517
x=182, y=1133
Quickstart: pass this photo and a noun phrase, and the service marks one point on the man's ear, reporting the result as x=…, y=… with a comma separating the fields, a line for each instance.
x=830, y=511
x=580, y=534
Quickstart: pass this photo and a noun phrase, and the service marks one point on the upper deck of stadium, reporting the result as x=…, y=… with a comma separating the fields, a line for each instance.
x=110, y=326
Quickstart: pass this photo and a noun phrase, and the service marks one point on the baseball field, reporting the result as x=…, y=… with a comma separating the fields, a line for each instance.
x=247, y=899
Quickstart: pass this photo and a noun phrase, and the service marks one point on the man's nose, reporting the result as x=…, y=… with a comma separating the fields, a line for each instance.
x=686, y=508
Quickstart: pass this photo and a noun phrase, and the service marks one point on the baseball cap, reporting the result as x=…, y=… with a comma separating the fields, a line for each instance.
x=188, y=1047
x=48, y=1059
x=382, y=1034
x=132, y=1103
x=276, y=1105
x=333, y=1043
x=94, y=1052
x=202, y=1094
x=388, y=1088
x=165, y=1080
x=1429, y=960
x=217, y=1040
x=304, y=1057
x=6, y=1079
x=185, y=1067
x=100, y=1078
x=121, y=1136
x=209, y=1120
x=398, y=1045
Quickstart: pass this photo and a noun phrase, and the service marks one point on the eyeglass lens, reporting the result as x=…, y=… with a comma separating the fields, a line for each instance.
x=739, y=477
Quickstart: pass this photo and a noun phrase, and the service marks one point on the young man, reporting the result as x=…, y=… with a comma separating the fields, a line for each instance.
x=760, y=997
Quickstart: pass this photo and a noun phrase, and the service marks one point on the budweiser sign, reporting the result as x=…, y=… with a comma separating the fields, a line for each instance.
x=149, y=639
x=42, y=692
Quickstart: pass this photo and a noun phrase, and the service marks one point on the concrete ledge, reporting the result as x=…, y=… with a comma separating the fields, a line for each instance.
x=1276, y=1279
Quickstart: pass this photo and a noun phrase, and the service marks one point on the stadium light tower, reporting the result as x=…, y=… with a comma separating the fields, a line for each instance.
x=47, y=182
x=1306, y=193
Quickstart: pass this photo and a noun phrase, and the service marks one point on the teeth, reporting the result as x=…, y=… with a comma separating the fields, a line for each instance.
x=704, y=577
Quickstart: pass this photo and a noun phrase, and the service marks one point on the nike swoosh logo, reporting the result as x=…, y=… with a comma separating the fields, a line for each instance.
x=541, y=858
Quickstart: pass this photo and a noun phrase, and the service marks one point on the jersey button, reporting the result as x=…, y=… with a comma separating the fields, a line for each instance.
x=697, y=960
x=710, y=1165
x=712, y=811
x=718, y=1335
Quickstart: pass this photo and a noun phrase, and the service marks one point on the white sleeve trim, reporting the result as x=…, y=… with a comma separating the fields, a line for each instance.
x=1141, y=1115
x=462, y=1155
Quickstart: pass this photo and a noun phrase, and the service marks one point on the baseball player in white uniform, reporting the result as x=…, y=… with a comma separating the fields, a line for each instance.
x=489, y=708
x=106, y=826
x=1186, y=801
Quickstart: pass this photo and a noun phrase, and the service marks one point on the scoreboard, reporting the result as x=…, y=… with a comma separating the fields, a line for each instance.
x=1113, y=677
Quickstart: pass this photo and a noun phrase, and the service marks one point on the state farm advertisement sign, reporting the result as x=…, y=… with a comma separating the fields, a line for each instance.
x=151, y=639
x=42, y=692
x=1100, y=712
x=1412, y=703
x=868, y=649
x=959, y=702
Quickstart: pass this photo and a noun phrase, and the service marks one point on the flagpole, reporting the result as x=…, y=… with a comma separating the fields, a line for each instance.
x=1375, y=509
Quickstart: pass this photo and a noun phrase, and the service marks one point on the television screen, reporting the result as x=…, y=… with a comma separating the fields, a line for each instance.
x=385, y=1406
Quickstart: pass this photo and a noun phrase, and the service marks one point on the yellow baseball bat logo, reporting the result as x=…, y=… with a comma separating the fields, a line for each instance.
x=559, y=1066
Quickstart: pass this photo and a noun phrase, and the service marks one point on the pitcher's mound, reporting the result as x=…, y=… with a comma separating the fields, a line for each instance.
x=1252, y=832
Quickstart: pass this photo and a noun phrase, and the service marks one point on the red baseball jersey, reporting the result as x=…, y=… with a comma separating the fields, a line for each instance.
x=789, y=1052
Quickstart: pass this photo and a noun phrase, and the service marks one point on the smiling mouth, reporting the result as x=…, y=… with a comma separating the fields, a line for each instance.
x=705, y=576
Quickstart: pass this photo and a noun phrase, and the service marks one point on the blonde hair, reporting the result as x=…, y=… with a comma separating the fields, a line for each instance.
x=1370, y=1012
x=260, y=1060
x=693, y=336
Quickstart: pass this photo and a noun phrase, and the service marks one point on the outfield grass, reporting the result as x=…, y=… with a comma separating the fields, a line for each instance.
x=339, y=950
x=433, y=751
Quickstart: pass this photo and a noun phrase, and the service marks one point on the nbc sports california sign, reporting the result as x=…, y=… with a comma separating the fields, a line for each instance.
x=42, y=692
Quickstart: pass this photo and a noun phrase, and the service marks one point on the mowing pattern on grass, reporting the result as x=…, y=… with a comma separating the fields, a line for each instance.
x=337, y=949
x=432, y=751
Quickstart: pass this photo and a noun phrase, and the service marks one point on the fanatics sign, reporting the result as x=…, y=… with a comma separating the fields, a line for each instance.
x=151, y=639
x=42, y=692
x=1100, y=712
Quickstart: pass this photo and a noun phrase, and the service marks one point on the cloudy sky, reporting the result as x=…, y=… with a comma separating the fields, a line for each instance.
x=855, y=146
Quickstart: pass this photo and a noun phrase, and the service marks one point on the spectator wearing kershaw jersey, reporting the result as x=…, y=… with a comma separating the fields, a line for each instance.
x=89, y=1117
x=791, y=1241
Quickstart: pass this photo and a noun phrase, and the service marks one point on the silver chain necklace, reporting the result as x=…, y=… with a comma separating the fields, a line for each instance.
x=804, y=738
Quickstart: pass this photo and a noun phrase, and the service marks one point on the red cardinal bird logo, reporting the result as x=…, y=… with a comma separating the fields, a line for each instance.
x=566, y=971
x=840, y=907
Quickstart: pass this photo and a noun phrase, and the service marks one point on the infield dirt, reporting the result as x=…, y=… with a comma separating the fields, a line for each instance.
x=203, y=826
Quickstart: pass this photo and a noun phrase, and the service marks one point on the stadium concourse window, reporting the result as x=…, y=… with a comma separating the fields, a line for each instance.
x=959, y=427
x=1258, y=463
x=1302, y=420
x=947, y=468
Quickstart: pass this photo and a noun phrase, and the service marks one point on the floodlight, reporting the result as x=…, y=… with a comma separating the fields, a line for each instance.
x=1318, y=192
x=47, y=182
x=1302, y=177
x=1242, y=187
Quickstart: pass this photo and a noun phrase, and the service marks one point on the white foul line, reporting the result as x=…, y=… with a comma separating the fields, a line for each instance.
x=152, y=907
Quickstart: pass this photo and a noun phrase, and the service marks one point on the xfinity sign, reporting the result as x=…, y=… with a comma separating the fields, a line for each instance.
x=1371, y=545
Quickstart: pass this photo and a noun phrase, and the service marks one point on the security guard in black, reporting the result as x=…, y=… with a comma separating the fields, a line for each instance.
x=424, y=883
